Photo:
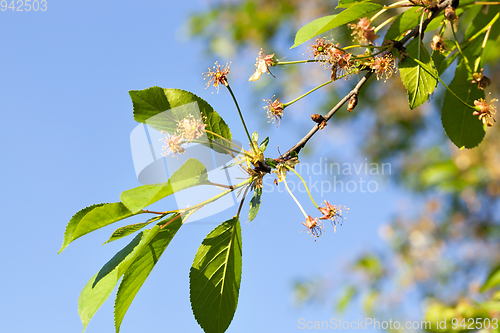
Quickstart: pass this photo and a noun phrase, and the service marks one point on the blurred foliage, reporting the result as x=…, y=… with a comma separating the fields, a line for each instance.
x=444, y=253
x=255, y=23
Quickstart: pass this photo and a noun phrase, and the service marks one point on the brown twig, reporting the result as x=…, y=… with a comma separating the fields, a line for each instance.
x=242, y=200
x=230, y=187
x=299, y=145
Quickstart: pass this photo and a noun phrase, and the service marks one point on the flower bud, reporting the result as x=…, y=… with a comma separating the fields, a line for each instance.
x=450, y=14
x=353, y=101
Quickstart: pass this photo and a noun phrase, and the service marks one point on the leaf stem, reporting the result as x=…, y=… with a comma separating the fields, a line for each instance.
x=218, y=196
x=210, y=142
x=307, y=189
x=307, y=93
x=368, y=46
x=385, y=8
x=424, y=66
x=397, y=4
x=371, y=55
x=241, y=117
x=239, y=151
x=383, y=24
x=297, y=62
x=478, y=60
x=460, y=50
x=486, y=27
x=242, y=200
x=295, y=199
x=159, y=213
x=231, y=187
x=420, y=41
x=172, y=219
x=184, y=218
x=485, y=40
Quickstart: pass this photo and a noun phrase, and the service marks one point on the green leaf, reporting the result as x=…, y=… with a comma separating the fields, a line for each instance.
x=349, y=3
x=73, y=223
x=461, y=126
x=403, y=22
x=438, y=21
x=127, y=230
x=263, y=145
x=100, y=286
x=491, y=306
x=255, y=136
x=345, y=299
x=439, y=174
x=493, y=280
x=91, y=298
x=93, y=218
x=370, y=264
x=418, y=82
x=312, y=29
x=255, y=203
x=155, y=100
x=191, y=173
x=143, y=263
x=409, y=20
x=215, y=277
x=480, y=21
x=370, y=302
x=271, y=162
x=326, y=23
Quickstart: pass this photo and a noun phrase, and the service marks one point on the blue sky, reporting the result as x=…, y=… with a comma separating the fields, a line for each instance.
x=67, y=118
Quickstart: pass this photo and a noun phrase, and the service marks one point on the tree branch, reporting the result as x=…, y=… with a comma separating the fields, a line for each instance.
x=400, y=46
x=299, y=145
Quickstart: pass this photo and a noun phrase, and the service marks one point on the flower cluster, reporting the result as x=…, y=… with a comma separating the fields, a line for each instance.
x=340, y=61
x=283, y=167
x=333, y=213
x=253, y=163
x=363, y=32
x=331, y=56
x=188, y=129
x=330, y=212
x=485, y=110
